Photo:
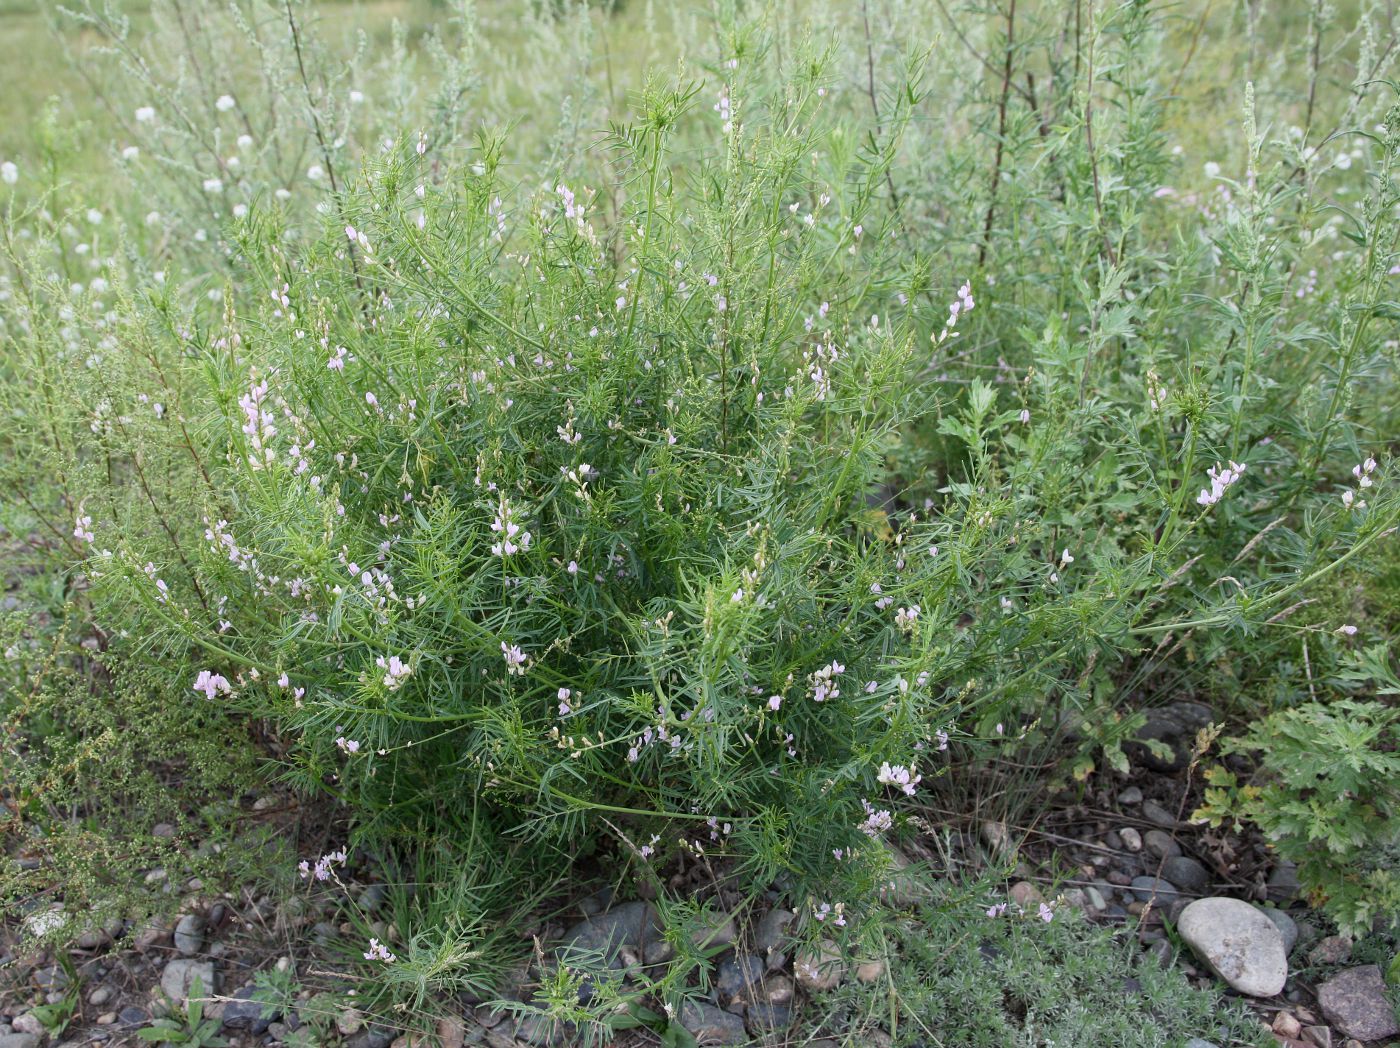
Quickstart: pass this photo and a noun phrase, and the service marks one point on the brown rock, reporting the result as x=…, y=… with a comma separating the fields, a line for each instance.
x=1026, y=895
x=1335, y=949
x=870, y=971
x=1286, y=1025
x=820, y=969
x=1354, y=1002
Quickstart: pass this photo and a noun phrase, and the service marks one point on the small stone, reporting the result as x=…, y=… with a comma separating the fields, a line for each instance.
x=163, y=829
x=100, y=995
x=1354, y=1002
x=870, y=971
x=710, y=1025
x=19, y=1040
x=1285, y=1025
x=1132, y=840
x=1155, y=889
x=1319, y=1035
x=820, y=969
x=242, y=1012
x=1095, y=897
x=349, y=1022
x=177, y=981
x=1026, y=895
x=106, y=1018
x=189, y=934
x=770, y=935
x=452, y=1032
x=1132, y=795
x=1286, y=925
x=763, y=1017
x=776, y=989
x=632, y=924
x=714, y=929
x=1119, y=878
x=28, y=1023
x=1156, y=814
x=1335, y=949
x=1160, y=844
x=50, y=977
x=133, y=1016
x=998, y=839
x=1283, y=882
x=44, y=921
x=1239, y=943
x=738, y=974
x=1186, y=873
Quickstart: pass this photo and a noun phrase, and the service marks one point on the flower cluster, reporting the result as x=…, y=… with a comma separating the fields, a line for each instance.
x=899, y=775
x=823, y=682
x=513, y=540
x=396, y=671
x=1220, y=481
x=212, y=684
x=321, y=870
x=379, y=952
x=1362, y=472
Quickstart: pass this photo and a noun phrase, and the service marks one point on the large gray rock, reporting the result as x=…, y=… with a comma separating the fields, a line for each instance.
x=178, y=978
x=1238, y=943
x=1354, y=1002
x=19, y=1040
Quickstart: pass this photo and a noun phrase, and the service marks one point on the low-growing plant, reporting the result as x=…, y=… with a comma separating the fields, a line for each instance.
x=1326, y=793
x=186, y=1024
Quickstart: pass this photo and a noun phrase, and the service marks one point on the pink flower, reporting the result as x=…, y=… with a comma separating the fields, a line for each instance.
x=212, y=684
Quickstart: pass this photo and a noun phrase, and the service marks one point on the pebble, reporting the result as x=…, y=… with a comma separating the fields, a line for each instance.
x=1160, y=843
x=1026, y=895
x=870, y=971
x=1132, y=840
x=770, y=936
x=1155, y=889
x=178, y=978
x=1239, y=943
x=1285, y=1025
x=1095, y=897
x=19, y=1040
x=1285, y=925
x=1186, y=873
x=189, y=934
x=998, y=839
x=1335, y=949
x=737, y=974
x=1132, y=795
x=28, y=1023
x=714, y=929
x=764, y=1017
x=710, y=1025
x=819, y=969
x=1283, y=882
x=1354, y=1002
x=100, y=996
x=242, y=1012
x=1156, y=814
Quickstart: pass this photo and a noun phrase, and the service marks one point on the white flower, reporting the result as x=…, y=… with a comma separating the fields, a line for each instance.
x=213, y=185
x=225, y=103
x=315, y=172
x=145, y=115
x=9, y=172
x=1212, y=169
